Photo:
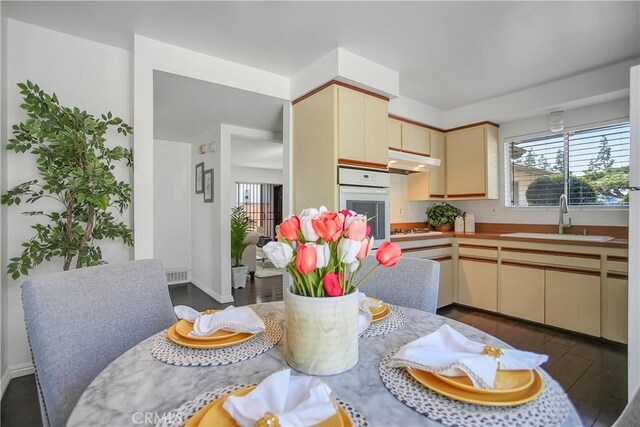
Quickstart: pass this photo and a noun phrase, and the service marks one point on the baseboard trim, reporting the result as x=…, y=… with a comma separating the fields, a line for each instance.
x=221, y=299
x=15, y=371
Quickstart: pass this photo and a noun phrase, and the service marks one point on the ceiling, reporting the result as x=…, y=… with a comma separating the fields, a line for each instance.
x=448, y=54
x=190, y=110
x=252, y=153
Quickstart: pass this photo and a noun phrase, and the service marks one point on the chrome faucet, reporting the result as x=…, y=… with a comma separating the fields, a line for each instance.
x=563, y=210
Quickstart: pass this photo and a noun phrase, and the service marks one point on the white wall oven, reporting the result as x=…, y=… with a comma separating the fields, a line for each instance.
x=367, y=192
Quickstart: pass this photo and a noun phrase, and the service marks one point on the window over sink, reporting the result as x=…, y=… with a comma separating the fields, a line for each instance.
x=590, y=166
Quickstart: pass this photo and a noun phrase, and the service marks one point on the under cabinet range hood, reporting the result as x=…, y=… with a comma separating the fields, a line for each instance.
x=411, y=162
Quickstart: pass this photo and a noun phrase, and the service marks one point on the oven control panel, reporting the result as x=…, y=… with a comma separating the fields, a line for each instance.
x=363, y=178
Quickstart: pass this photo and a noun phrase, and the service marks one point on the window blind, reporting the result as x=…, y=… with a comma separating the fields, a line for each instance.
x=590, y=166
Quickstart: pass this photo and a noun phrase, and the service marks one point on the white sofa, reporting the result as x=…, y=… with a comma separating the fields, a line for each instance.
x=249, y=254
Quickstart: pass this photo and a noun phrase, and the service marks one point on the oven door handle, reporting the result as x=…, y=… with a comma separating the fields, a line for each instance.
x=363, y=190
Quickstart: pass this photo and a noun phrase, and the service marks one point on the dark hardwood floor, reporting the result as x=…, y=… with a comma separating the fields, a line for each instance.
x=593, y=372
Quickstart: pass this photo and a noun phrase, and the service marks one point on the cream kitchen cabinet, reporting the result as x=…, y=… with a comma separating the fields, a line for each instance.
x=335, y=125
x=409, y=137
x=441, y=251
x=415, y=139
x=430, y=185
x=362, y=127
x=522, y=291
x=472, y=163
x=394, y=134
x=478, y=282
x=616, y=308
x=572, y=300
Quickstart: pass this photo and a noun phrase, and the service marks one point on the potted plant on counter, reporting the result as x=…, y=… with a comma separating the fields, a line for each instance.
x=240, y=224
x=441, y=216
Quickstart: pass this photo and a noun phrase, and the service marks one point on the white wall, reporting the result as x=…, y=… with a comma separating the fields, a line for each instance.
x=172, y=187
x=150, y=55
x=4, y=378
x=90, y=75
x=403, y=210
x=495, y=210
x=255, y=175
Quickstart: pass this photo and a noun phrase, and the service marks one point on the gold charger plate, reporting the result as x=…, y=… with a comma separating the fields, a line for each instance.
x=504, y=399
x=184, y=328
x=506, y=382
x=214, y=415
x=386, y=311
x=174, y=336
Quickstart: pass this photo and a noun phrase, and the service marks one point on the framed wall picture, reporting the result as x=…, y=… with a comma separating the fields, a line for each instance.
x=200, y=178
x=208, y=186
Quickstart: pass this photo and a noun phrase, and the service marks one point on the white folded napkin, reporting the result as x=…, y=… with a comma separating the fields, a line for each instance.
x=364, y=315
x=297, y=401
x=240, y=319
x=450, y=353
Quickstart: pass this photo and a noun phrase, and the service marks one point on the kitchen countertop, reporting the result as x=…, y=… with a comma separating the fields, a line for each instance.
x=615, y=243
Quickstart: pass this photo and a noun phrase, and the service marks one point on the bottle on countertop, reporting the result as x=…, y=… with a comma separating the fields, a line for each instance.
x=469, y=223
x=459, y=225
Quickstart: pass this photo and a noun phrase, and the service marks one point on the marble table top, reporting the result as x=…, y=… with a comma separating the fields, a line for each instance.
x=137, y=389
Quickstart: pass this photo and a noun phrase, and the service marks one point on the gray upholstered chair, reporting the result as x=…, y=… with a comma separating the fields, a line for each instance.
x=630, y=417
x=79, y=321
x=411, y=283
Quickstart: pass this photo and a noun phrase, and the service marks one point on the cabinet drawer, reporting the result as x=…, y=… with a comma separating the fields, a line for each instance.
x=618, y=264
x=569, y=259
x=466, y=249
x=428, y=251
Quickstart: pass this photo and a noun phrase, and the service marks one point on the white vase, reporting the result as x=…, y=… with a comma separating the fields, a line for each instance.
x=239, y=276
x=322, y=333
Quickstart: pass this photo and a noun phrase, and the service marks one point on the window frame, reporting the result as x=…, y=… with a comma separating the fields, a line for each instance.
x=566, y=133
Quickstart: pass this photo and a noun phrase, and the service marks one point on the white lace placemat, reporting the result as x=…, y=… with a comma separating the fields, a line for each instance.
x=178, y=417
x=391, y=323
x=169, y=352
x=551, y=408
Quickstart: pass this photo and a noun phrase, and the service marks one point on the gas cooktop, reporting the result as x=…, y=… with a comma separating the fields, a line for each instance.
x=413, y=232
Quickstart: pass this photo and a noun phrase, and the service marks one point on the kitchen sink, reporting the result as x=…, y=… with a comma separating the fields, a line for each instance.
x=572, y=237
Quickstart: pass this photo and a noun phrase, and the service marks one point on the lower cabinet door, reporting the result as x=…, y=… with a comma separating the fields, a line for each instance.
x=522, y=292
x=617, y=310
x=572, y=301
x=445, y=292
x=478, y=283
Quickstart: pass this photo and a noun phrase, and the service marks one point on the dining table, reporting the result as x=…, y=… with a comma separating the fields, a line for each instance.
x=136, y=389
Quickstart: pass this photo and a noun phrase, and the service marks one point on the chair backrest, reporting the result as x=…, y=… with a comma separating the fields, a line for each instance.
x=411, y=283
x=630, y=417
x=79, y=321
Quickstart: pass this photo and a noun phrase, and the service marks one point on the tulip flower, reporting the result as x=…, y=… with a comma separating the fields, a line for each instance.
x=306, y=259
x=328, y=225
x=357, y=229
x=388, y=254
x=306, y=216
x=280, y=254
x=289, y=228
x=348, y=219
x=331, y=284
x=348, y=250
x=322, y=252
x=365, y=248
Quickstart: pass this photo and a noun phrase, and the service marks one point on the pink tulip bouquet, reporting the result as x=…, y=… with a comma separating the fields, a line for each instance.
x=323, y=251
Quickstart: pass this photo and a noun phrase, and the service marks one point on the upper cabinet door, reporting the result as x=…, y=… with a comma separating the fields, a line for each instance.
x=376, y=118
x=394, y=130
x=351, y=124
x=415, y=139
x=466, y=163
x=438, y=174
